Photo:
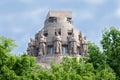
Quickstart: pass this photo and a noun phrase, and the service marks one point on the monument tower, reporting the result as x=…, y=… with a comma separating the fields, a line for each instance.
x=58, y=37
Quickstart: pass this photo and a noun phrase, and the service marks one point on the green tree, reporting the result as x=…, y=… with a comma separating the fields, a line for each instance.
x=111, y=47
x=15, y=67
x=102, y=70
x=95, y=56
x=6, y=59
x=97, y=66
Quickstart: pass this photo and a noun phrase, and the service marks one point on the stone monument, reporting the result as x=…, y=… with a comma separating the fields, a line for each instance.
x=58, y=37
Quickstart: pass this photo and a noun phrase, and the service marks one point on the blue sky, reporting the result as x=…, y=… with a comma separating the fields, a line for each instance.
x=21, y=19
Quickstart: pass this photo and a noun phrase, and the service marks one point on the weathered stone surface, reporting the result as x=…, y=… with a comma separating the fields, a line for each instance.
x=58, y=36
x=46, y=61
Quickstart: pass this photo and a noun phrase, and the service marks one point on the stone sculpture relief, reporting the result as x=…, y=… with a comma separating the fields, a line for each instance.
x=57, y=44
x=31, y=47
x=84, y=46
x=66, y=38
x=72, y=45
x=42, y=45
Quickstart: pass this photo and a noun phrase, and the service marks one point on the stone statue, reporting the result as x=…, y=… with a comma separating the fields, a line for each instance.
x=42, y=45
x=31, y=47
x=29, y=50
x=57, y=44
x=80, y=36
x=72, y=45
x=59, y=37
x=84, y=46
x=80, y=40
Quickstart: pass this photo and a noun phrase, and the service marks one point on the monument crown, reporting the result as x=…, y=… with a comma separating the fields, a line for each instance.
x=58, y=36
x=59, y=14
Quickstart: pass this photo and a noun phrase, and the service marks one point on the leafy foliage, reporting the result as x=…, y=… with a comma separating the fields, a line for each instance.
x=96, y=57
x=96, y=66
x=111, y=48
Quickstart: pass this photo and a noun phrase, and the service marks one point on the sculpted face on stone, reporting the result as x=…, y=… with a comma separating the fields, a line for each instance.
x=58, y=36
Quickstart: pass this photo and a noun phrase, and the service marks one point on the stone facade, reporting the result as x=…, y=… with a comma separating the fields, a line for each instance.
x=58, y=37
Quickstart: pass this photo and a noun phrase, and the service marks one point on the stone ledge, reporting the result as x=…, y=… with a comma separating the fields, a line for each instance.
x=45, y=61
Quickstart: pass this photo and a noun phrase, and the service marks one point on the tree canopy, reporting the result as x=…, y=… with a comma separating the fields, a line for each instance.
x=111, y=48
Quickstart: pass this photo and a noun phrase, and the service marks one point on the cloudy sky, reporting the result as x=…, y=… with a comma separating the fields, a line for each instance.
x=21, y=19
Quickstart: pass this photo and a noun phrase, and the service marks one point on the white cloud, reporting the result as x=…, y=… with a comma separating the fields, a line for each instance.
x=17, y=29
x=35, y=13
x=117, y=13
x=95, y=1
x=83, y=15
x=66, y=0
x=27, y=1
x=7, y=18
x=118, y=1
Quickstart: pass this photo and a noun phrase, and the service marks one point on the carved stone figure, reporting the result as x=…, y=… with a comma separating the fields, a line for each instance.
x=72, y=45
x=80, y=36
x=66, y=41
x=57, y=44
x=80, y=46
x=42, y=45
x=84, y=46
x=31, y=47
